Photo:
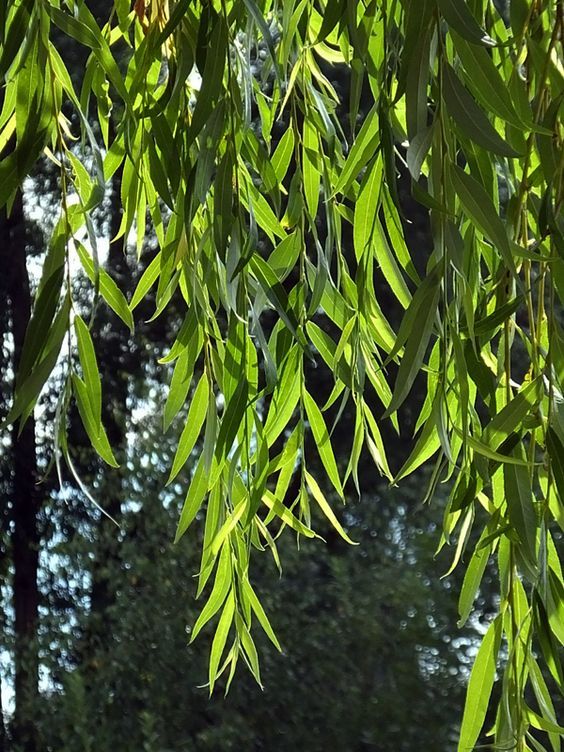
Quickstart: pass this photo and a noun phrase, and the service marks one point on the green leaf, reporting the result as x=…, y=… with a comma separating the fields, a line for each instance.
x=176, y=17
x=103, y=54
x=232, y=417
x=486, y=451
x=486, y=81
x=283, y=258
x=469, y=118
x=519, y=498
x=230, y=524
x=366, y=208
x=334, y=11
x=311, y=176
x=250, y=650
x=223, y=203
x=473, y=577
x=389, y=267
x=256, y=605
x=416, y=327
x=92, y=424
x=375, y=444
x=417, y=78
x=274, y=292
x=395, y=231
x=362, y=150
x=283, y=154
x=15, y=34
x=265, y=217
x=417, y=151
x=489, y=324
x=181, y=378
x=285, y=397
x=544, y=699
x=193, y=426
x=457, y=14
x=28, y=391
x=544, y=724
x=29, y=95
x=512, y=415
x=322, y=441
x=212, y=81
x=108, y=288
x=158, y=174
x=480, y=209
x=555, y=606
x=286, y=515
x=222, y=585
x=194, y=498
x=325, y=507
x=89, y=365
x=75, y=28
x=555, y=450
x=425, y=447
x=148, y=279
x=220, y=637
x=36, y=333
x=480, y=687
x=265, y=31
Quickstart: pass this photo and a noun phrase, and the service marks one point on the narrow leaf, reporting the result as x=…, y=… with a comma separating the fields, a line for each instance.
x=322, y=440
x=191, y=431
x=480, y=687
x=221, y=586
x=220, y=637
x=325, y=507
x=260, y=613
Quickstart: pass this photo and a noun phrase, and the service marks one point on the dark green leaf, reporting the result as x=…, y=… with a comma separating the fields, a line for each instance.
x=519, y=498
x=469, y=118
x=457, y=14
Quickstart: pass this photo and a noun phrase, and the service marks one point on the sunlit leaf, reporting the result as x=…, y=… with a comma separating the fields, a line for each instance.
x=191, y=431
x=260, y=613
x=480, y=687
x=220, y=637
x=108, y=288
x=317, y=494
x=221, y=587
x=322, y=440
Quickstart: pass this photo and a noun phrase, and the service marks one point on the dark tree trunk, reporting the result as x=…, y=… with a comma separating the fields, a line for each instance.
x=24, y=501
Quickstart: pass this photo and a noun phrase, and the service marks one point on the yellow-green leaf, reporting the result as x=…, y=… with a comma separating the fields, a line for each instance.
x=480, y=687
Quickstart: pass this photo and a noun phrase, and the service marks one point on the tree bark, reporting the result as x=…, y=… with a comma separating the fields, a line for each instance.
x=25, y=500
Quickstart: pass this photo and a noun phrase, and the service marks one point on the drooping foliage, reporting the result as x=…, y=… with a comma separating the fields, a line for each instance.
x=359, y=641
x=274, y=216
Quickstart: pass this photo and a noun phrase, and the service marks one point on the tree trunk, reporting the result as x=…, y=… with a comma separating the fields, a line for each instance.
x=24, y=501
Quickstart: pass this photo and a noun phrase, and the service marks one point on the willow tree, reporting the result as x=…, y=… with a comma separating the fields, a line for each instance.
x=265, y=237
